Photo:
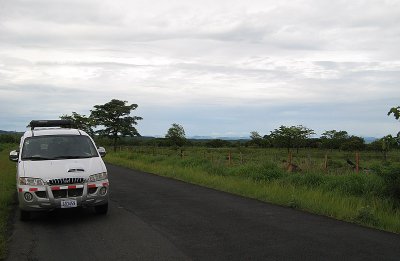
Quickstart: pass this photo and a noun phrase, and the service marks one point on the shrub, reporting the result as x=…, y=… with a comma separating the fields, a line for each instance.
x=391, y=176
x=260, y=172
x=365, y=215
x=336, y=164
x=310, y=180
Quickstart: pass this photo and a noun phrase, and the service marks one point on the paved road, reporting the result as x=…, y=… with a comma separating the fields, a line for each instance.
x=154, y=218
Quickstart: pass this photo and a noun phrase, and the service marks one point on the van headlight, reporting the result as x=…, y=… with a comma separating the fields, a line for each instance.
x=31, y=181
x=97, y=177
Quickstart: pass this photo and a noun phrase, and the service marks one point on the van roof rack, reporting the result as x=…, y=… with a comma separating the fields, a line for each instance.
x=50, y=123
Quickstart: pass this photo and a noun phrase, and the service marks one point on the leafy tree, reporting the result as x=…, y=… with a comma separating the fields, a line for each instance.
x=291, y=137
x=115, y=117
x=217, y=143
x=388, y=142
x=302, y=134
x=376, y=145
x=256, y=139
x=384, y=145
x=81, y=122
x=176, y=135
x=254, y=135
x=333, y=139
x=313, y=143
x=396, y=113
x=9, y=138
x=353, y=143
x=268, y=141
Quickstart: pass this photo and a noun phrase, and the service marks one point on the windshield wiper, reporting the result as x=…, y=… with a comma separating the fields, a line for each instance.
x=36, y=158
x=72, y=157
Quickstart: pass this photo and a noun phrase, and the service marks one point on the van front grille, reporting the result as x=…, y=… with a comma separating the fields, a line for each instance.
x=65, y=181
x=66, y=193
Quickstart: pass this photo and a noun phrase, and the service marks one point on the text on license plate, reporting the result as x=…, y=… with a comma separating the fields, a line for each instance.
x=68, y=203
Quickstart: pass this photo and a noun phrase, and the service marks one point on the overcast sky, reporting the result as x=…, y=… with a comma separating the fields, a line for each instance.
x=217, y=67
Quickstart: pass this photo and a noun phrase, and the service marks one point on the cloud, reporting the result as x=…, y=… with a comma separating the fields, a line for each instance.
x=209, y=64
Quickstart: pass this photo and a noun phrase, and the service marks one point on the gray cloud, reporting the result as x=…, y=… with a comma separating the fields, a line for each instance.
x=206, y=64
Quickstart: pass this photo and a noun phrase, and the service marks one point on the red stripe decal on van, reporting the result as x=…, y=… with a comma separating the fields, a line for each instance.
x=55, y=188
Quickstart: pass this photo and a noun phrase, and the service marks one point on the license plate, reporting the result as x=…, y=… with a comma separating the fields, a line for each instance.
x=68, y=203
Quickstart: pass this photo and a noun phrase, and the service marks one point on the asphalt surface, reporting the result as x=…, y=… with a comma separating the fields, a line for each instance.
x=155, y=218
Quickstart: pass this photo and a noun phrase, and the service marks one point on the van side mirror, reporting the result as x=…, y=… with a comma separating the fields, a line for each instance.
x=102, y=151
x=14, y=155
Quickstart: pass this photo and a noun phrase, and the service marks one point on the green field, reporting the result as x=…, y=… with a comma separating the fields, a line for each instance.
x=7, y=190
x=326, y=183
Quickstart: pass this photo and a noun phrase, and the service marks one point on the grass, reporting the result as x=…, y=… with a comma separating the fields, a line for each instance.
x=339, y=193
x=7, y=190
x=258, y=173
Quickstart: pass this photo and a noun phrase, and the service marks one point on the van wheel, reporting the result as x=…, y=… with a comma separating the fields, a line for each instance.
x=102, y=209
x=25, y=215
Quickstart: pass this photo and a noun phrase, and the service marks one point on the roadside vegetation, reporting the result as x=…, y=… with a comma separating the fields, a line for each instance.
x=336, y=174
x=324, y=183
x=7, y=191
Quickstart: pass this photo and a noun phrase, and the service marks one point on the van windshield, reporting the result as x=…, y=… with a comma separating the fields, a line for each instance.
x=58, y=147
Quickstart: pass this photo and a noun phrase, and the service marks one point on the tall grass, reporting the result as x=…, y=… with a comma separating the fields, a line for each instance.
x=360, y=198
x=7, y=190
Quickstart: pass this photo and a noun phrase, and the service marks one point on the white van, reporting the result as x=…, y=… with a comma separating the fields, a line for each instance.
x=59, y=167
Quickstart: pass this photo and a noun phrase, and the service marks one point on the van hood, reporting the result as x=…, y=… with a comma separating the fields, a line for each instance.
x=66, y=168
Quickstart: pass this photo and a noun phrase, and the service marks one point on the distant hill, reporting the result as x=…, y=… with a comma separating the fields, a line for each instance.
x=214, y=138
x=9, y=132
x=370, y=139
x=197, y=137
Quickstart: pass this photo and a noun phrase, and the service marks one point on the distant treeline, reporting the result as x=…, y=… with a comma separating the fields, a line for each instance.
x=348, y=143
x=10, y=138
x=353, y=143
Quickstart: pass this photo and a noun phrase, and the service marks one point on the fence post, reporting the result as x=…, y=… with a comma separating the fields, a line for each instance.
x=326, y=161
x=357, y=162
x=290, y=158
x=230, y=158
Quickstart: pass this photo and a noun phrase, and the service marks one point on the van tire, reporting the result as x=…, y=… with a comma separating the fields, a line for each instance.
x=102, y=209
x=25, y=215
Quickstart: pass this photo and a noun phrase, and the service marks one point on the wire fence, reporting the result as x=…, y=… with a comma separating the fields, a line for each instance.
x=329, y=161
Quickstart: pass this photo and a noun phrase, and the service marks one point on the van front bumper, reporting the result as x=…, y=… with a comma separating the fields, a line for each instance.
x=39, y=198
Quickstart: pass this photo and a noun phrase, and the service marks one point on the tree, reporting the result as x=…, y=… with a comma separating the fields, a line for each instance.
x=176, y=135
x=302, y=134
x=388, y=142
x=115, y=117
x=290, y=137
x=9, y=138
x=384, y=145
x=268, y=141
x=396, y=114
x=395, y=111
x=333, y=139
x=81, y=122
x=256, y=139
x=217, y=143
x=254, y=135
x=353, y=143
